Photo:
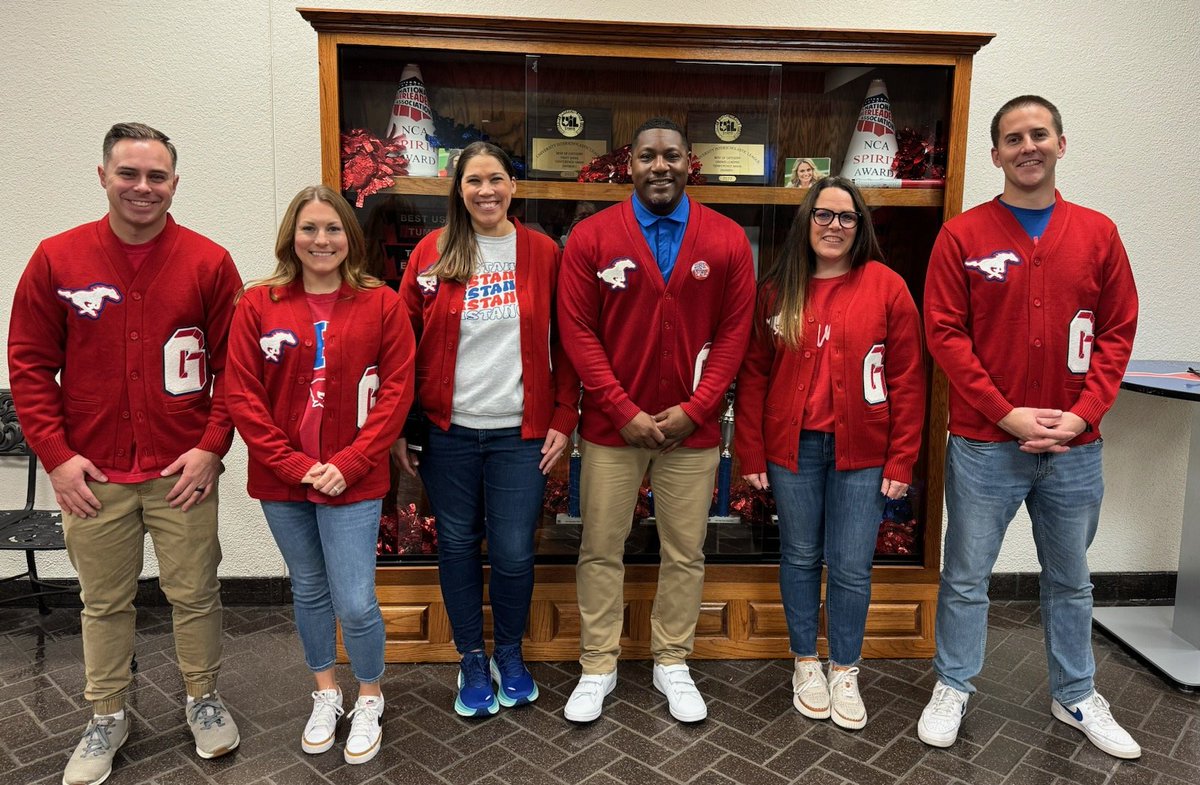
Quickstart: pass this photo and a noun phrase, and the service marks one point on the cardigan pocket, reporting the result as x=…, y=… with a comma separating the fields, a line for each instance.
x=81, y=405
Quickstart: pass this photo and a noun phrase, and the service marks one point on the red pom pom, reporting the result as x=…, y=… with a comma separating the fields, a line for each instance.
x=369, y=164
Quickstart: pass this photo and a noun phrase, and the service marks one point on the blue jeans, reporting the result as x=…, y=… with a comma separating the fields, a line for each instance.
x=985, y=485
x=477, y=481
x=834, y=516
x=330, y=555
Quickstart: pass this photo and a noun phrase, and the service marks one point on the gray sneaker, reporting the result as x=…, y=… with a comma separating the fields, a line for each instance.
x=92, y=761
x=212, y=726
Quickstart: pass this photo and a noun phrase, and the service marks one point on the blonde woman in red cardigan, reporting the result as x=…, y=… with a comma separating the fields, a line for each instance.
x=321, y=358
x=830, y=407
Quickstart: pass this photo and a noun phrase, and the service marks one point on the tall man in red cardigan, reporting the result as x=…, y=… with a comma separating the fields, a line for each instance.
x=655, y=301
x=130, y=313
x=1030, y=309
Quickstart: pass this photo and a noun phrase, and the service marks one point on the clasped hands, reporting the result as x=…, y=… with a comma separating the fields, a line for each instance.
x=1042, y=430
x=663, y=431
x=325, y=478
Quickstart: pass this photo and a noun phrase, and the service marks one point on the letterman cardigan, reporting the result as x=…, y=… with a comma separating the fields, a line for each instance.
x=642, y=344
x=1014, y=323
x=551, y=387
x=142, y=355
x=877, y=366
x=368, y=388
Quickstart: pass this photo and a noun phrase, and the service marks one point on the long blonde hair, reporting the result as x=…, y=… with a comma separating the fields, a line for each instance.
x=288, y=267
x=457, y=247
x=784, y=287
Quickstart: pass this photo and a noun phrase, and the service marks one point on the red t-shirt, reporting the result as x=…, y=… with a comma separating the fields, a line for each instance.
x=818, y=406
x=321, y=308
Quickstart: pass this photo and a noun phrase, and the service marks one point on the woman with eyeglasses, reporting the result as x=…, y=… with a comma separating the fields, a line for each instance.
x=830, y=408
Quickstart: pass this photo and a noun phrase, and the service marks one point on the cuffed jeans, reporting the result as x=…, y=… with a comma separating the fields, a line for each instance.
x=830, y=515
x=485, y=480
x=330, y=555
x=985, y=484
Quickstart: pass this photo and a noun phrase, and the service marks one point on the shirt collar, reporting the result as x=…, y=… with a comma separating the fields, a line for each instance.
x=648, y=219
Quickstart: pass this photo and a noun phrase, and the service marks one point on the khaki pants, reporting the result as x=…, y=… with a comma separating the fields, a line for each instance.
x=683, y=483
x=107, y=554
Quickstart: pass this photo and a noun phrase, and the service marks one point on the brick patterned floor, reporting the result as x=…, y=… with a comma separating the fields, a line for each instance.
x=752, y=735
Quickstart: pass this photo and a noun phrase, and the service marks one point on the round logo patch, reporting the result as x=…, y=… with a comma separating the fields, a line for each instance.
x=569, y=123
x=728, y=127
x=700, y=270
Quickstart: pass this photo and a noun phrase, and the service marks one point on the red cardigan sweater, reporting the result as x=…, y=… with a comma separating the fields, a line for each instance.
x=1014, y=324
x=142, y=355
x=435, y=310
x=877, y=421
x=368, y=388
x=640, y=344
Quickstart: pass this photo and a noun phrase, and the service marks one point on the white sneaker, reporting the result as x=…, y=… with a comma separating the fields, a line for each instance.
x=810, y=690
x=1093, y=716
x=938, y=726
x=366, y=729
x=684, y=700
x=322, y=723
x=587, y=699
x=846, y=704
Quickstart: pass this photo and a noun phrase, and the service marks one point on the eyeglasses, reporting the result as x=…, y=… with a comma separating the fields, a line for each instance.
x=848, y=219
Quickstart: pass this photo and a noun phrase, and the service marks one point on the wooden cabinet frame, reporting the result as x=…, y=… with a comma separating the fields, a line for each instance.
x=741, y=615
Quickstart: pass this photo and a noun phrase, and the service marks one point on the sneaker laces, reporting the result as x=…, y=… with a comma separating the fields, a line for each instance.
x=208, y=711
x=946, y=701
x=509, y=662
x=1099, y=713
x=815, y=677
x=327, y=707
x=845, y=679
x=475, y=671
x=364, y=719
x=97, y=736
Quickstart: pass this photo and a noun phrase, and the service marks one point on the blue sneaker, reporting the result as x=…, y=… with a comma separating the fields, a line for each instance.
x=515, y=683
x=475, y=696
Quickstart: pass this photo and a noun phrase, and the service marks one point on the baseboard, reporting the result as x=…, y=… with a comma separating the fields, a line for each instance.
x=1120, y=588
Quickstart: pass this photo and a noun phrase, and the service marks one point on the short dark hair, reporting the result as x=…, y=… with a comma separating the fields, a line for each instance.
x=1017, y=103
x=663, y=124
x=137, y=131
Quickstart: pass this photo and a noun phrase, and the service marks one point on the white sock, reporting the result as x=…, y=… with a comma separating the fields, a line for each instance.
x=116, y=715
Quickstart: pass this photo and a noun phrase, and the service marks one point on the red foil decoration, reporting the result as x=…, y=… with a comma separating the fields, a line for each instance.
x=406, y=532
x=613, y=167
x=896, y=538
x=918, y=156
x=370, y=164
x=754, y=507
x=556, y=497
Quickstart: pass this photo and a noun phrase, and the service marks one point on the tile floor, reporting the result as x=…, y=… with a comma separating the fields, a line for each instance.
x=752, y=735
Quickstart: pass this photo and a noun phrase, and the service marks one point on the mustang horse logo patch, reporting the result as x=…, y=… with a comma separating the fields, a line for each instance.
x=90, y=302
x=995, y=266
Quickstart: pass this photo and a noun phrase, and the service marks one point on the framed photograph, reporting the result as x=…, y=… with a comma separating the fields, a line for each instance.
x=803, y=172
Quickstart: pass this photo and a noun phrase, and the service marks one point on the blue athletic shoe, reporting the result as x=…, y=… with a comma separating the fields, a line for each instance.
x=475, y=696
x=515, y=684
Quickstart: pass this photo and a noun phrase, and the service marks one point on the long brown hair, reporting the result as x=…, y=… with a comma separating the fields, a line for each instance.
x=784, y=287
x=288, y=267
x=457, y=248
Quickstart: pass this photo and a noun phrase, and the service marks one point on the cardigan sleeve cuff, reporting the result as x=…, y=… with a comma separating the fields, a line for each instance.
x=217, y=439
x=54, y=451
x=564, y=419
x=994, y=406
x=694, y=413
x=899, y=469
x=624, y=412
x=293, y=468
x=751, y=462
x=1089, y=409
x=352, y=464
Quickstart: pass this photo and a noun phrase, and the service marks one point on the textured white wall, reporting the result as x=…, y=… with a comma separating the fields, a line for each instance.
x=234, y=82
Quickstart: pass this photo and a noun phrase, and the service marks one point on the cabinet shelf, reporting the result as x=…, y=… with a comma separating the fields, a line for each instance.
x=706, y=194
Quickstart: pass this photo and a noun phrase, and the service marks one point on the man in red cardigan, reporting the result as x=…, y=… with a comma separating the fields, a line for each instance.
x=1030, y=309
x=655, y=301
x=116, y=357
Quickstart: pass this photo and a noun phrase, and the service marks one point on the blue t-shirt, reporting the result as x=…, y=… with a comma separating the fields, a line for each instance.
x=1034, y=222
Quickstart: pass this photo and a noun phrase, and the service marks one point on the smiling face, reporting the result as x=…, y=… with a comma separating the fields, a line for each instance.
x=487, y=193
x=321, y=246
x=804, y=174
x=831, y=244
x=140, y=181
x=659, y=168
x=1028, y=150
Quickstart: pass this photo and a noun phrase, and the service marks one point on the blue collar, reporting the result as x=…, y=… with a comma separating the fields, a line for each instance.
x=648, y=219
